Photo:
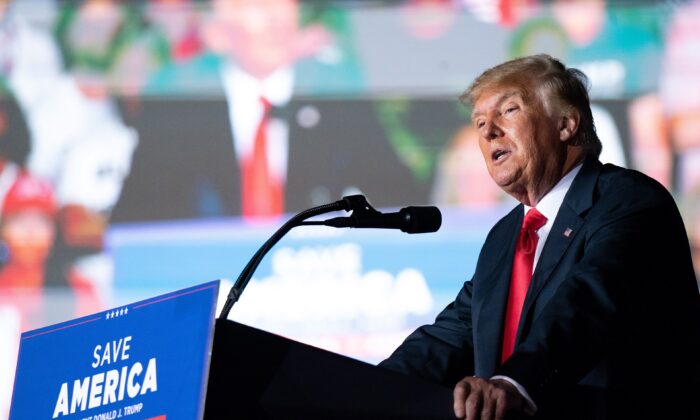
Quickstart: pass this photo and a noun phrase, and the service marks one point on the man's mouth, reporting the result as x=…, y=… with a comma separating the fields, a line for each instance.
x=499, y=155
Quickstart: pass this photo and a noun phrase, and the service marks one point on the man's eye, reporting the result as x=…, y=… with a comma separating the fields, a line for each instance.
x=479, y=124
x=511, y=109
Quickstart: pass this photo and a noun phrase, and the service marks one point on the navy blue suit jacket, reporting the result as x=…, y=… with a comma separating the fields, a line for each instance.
x=611, y=322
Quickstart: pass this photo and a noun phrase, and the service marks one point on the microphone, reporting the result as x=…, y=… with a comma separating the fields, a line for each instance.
x=412, y=219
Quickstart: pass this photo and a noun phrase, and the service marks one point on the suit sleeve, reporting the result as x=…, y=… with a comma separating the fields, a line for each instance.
x=443, y=351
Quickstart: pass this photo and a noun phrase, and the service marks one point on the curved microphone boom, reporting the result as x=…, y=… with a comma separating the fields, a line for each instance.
x=408, y=219
x=237, y=289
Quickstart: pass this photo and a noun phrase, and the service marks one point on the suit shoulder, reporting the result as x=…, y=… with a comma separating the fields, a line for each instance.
x=626, y=184
x=629, y=196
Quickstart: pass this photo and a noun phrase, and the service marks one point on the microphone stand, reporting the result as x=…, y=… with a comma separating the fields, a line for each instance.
x=354, y=202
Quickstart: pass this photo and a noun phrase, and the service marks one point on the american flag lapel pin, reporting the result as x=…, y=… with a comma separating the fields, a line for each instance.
x=568, y=232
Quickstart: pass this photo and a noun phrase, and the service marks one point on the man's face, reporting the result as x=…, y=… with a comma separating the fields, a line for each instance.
x=260, y=33
x=29, y=236
x=519, y=141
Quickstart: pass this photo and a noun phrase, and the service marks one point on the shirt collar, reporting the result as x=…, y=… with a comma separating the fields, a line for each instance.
x=550, y=203
x=276, y=88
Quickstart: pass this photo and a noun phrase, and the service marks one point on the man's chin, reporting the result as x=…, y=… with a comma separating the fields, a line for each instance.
x=504, y=181
x=511, y=187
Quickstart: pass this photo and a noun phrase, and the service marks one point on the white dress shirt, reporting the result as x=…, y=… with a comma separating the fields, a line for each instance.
x=243, y=93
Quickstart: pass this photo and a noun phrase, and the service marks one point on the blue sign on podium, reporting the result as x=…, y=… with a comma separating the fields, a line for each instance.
x=146, y=360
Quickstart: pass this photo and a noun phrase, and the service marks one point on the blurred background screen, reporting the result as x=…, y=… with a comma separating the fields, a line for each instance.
x=150, y=146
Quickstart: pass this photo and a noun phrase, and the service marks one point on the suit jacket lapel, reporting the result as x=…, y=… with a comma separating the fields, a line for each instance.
x=493, y=298
x=566, y=226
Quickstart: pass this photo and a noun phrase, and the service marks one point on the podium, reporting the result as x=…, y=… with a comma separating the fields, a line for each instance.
x=168, y=358
x=272, y=377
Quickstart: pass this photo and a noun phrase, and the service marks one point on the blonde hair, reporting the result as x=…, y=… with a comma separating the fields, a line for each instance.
x=545, y=76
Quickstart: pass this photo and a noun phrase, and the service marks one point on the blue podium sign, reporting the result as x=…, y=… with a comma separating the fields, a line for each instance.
x=146, y=360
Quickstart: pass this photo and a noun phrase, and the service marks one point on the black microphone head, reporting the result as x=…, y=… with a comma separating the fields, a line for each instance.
x=423, y=219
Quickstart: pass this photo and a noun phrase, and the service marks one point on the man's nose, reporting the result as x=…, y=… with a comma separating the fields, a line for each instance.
x=491, y=130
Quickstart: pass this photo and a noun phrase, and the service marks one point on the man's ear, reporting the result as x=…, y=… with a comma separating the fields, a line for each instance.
x=568, y=124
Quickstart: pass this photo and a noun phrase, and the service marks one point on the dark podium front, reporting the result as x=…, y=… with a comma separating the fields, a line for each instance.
x=258, y=375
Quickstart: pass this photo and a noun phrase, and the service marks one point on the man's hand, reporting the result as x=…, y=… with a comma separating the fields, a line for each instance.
x=479, y=398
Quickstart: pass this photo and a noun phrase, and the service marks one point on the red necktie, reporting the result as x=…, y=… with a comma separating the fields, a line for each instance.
x=262, y=192
x=520, y=278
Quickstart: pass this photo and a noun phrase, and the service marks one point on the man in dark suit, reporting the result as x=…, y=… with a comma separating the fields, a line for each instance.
x=583, y=303
x=186, y=166
x=228, y=154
